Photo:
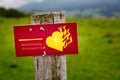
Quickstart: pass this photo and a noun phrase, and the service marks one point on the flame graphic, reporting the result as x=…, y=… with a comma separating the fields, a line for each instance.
x=59, y=39
x=67, y=38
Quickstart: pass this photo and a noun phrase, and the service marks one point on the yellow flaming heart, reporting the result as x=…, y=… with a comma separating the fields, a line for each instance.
x=59, y=39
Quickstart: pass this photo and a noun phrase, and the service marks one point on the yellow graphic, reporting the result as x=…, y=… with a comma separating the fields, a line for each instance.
x=30, y=39
x=59, y=39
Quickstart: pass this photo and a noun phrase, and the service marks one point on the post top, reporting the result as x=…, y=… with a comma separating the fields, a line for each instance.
x=48, y=13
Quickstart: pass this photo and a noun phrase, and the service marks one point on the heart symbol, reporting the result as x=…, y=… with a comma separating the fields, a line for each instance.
x=55, y=41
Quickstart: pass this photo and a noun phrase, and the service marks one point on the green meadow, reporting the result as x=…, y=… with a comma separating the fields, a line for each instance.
x=98, y=58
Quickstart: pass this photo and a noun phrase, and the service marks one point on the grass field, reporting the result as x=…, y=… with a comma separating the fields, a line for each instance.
x=98, y=58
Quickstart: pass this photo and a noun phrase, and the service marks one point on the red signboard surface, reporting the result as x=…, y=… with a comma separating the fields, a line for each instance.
x=49, y=39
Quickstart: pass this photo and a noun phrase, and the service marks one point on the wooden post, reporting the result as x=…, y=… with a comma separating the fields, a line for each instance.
x=49, y=67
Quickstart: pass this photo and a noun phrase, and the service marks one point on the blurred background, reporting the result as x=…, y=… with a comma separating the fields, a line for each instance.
x=98, y=34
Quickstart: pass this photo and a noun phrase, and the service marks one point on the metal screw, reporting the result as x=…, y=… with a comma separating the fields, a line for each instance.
x=42, y=29
x=30, y=29
x=44, y=53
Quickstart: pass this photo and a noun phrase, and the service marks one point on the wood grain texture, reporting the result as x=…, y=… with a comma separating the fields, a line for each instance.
x=49, y=67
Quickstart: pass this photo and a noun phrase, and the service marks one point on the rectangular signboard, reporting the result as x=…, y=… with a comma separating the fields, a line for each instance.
x=46, y=39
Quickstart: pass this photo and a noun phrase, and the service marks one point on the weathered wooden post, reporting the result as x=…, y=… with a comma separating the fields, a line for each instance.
x=49, y=67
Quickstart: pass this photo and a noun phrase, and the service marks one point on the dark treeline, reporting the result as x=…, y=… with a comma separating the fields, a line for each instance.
x=11, y=13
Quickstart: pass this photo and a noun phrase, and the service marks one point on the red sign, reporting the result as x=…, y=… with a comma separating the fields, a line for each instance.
x=46, y=39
